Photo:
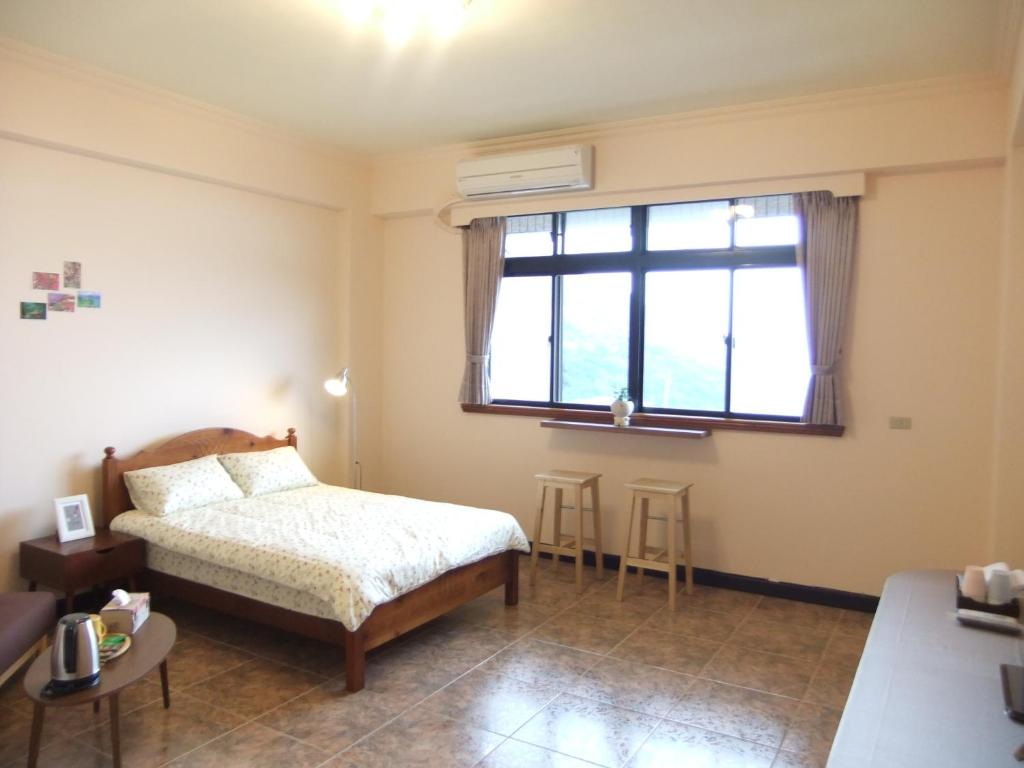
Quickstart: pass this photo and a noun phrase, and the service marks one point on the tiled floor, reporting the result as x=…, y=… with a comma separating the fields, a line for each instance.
x=729, y=679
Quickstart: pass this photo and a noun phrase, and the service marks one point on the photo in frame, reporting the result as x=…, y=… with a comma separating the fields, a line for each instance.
x=74, y=518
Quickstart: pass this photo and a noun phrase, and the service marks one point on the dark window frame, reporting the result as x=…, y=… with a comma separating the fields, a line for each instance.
x=639, y=261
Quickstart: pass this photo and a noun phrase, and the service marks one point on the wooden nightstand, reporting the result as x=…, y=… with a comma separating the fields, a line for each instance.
x=84, y=563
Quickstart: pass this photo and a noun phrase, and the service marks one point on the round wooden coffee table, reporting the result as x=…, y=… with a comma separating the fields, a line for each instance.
x=150, y=646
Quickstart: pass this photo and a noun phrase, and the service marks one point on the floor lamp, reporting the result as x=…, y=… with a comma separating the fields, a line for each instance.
x=339, y=386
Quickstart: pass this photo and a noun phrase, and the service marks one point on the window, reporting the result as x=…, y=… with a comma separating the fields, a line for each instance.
x=697, y=307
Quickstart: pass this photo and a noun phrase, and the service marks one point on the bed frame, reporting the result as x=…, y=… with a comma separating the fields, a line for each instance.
x=387, y=621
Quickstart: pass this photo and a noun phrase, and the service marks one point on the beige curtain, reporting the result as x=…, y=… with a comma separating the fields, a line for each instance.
x=825, y=254
x=483, y=261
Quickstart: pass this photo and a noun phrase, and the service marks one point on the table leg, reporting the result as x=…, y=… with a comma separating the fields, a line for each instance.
x=31, y=586
x=37, y=733
x=163, y=684
x=115, y=728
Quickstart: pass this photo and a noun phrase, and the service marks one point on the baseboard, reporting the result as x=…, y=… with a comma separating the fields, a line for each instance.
x=835, y=598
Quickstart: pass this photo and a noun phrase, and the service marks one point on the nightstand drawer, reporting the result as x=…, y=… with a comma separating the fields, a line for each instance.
x=97, y=565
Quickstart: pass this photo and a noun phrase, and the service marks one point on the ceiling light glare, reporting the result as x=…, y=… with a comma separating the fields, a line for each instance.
x=399, y=20
x=357, y=12
x=447, y=17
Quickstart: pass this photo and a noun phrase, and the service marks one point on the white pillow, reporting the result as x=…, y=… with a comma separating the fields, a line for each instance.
x=259, y=472
x=174, y=487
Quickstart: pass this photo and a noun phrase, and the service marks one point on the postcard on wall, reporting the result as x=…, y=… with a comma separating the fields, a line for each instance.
x=60, y=302
x=72, y=274
x=46, y=281
x=89, y=299
x=33, y=310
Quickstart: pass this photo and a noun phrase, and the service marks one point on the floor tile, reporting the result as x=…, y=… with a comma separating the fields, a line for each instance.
x=549, y=593
x=512, y=621
x=856, y=623
x=662, y=649
x=795, y=613
x=675, y=744
x=453, y=645
x=518, y=754
x=399, y=682
x=331, y=718
x=843, y=651
x=740, y=712
x=533, y=661
x=498, y=703
x=196, y=659
x=588, y=633
x=761, y=671
x=812, y=730
x=830, y=686
x=651, y=587
x=420, y=738
x=589, y=730
x=254, y=747
x=784, y=639
x=722, y=600
x=255, y=687
x=633, y=686
x=15, y=728
x=786, y=759
x=153, y=735
x=66, y=753
x=694, y=622
x=565, y=571
x=602, y=604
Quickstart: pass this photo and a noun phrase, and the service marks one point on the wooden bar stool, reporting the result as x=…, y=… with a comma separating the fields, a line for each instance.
x=678, y=496
x=560, y=482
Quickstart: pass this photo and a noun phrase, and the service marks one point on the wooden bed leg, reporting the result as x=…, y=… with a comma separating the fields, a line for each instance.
x=512, y=584
x=355, y=661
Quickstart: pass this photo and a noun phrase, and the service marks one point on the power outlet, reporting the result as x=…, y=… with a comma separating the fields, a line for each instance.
x=899, y=422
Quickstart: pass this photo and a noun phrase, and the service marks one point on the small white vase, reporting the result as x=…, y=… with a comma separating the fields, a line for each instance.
x=621, y=410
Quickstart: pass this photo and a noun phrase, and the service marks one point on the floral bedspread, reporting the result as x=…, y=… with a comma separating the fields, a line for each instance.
x=352, y=549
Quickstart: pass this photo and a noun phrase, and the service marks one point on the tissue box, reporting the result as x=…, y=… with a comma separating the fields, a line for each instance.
x=126, y=619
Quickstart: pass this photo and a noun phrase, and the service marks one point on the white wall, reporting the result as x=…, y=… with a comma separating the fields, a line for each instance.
x=220, y=305
x=834, y=512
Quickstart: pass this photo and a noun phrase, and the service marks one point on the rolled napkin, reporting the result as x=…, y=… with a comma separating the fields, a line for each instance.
x=120, y=597
x=973, y=585
x=992, y=568
x=1000, y=588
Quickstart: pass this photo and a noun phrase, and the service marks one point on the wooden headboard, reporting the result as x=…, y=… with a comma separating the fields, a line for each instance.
x=191, y=445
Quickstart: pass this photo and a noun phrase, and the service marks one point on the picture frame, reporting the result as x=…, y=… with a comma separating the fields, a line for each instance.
x=74, y=518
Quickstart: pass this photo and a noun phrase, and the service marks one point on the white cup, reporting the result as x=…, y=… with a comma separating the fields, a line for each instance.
x=974, y=583
x=1000, y=589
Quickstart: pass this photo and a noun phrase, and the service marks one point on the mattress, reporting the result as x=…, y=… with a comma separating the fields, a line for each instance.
x=332, y=552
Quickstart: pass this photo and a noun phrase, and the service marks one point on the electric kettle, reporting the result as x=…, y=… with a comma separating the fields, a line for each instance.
x=75, y=657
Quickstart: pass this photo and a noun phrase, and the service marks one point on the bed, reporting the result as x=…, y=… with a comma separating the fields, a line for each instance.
x=232, y=588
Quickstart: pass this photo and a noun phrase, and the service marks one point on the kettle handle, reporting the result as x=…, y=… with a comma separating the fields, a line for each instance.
x=70, y=643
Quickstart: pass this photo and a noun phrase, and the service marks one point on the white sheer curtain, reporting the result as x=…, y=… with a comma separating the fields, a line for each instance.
x=483, y=262
x=825, y=254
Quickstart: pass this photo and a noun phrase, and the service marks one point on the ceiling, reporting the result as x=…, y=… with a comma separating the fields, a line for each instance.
x=514, y=66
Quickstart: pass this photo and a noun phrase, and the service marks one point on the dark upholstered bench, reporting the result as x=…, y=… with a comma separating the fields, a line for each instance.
x=26, y=621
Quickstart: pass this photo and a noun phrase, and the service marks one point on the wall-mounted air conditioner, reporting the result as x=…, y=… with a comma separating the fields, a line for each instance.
x=559, y=169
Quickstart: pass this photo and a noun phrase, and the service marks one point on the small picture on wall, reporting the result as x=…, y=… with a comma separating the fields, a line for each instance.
x=33, y=310
x=46, y=281
x=60, y=302
x=72, y=274
x=74, y=520
x=89, y=299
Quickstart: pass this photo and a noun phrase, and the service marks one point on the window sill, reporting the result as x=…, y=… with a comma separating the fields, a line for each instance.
x=661, y=420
